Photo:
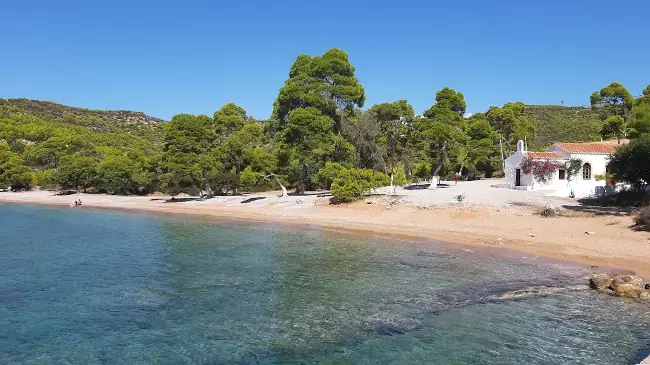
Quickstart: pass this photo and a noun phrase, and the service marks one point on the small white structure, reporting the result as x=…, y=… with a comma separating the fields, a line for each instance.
x=594, y=156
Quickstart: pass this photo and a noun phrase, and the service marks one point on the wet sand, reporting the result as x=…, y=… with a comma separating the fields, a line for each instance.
x=610, y=243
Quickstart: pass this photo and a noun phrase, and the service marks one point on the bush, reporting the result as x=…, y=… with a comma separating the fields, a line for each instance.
x=225, y=182
x=631, y=163
x=354, y=183
x=46, y=179
x=399, y=175
x=251, y=180
x=326, y=176
x=15, y=174
x=460, y=198
x=548, y=212
x=642, y=219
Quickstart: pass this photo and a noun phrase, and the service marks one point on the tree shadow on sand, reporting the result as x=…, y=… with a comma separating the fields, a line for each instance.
x=600, y=210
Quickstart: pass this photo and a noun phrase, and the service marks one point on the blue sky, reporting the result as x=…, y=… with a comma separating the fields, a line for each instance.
x=165, y=58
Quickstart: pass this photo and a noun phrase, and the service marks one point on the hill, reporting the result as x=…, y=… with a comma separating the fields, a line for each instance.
x=556, y=123
x=101, y=121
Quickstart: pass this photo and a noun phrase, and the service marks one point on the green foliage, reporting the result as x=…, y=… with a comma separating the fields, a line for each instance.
x=229, y=118
x=573, y=168
x=447, y=100
x=46, y=179
x=422, y=170
x=395, y=122
x=613, y=99
x=352, y=184
x=614, y=126
x=554, y=123
x=225, y=182
x=364, y=131
x=15, y=174
x=511, y=122
x=640, y=124
x=631, y=163
x=399, y=175
x=77, y=172
x=115, y=175
x=317, y=136
x=326, y=175
x=326, y=83
x=309, y=142
x=251, y=180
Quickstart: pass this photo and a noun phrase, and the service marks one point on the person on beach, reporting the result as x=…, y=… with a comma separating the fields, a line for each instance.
x=79, y=202
x=456, y=177
x=76, y=203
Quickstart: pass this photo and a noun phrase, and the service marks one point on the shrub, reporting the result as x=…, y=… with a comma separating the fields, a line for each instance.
x=225, y=182
x=642, y=219
x=459, y=198
x=248, y=178
x=352, y=184
x=326, y=176
x=77, y=172
x=631, y=163
x=46, y=179
x=15, y=174
x=399, y=175
x=548, y=212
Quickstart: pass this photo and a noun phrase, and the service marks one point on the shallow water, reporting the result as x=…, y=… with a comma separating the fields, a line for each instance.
x=98, y=287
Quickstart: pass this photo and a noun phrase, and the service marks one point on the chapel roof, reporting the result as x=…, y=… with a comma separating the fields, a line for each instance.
x=603, y=147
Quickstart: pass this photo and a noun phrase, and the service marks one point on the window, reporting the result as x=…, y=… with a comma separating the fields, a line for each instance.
x=586, y=172
x=562, y=174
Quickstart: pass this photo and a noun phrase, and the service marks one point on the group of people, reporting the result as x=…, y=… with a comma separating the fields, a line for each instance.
x=77, y=203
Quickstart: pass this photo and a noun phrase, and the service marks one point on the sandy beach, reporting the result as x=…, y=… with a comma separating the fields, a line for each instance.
x=489, y=216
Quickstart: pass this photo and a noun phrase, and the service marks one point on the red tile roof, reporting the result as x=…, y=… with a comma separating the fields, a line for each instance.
x=547, y=155
x=604, y=147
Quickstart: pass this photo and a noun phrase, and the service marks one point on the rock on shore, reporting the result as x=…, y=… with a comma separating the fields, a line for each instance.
x=624, y=286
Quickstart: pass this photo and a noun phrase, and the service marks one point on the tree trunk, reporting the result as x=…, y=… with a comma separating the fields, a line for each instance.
x=305, y=180
x=208, y=190
x=441, y=161
x=284, y=190
x=462, y=165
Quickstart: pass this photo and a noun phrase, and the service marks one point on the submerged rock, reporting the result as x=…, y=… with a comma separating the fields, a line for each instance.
x=391, y=325
x=600, y=281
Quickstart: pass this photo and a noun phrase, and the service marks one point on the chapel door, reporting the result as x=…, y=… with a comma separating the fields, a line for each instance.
x=518, y=177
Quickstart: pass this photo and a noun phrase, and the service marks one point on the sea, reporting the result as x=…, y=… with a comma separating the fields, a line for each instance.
x=85, y=286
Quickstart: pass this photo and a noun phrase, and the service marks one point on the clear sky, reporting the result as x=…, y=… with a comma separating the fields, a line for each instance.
x=169, y=57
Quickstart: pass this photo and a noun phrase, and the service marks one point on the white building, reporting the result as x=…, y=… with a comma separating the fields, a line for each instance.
x=594, y=157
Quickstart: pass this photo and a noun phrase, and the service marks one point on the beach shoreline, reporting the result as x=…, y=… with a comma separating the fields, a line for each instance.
x=610, y=246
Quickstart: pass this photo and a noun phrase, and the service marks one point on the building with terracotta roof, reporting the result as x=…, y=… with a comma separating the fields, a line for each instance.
x=593, y=155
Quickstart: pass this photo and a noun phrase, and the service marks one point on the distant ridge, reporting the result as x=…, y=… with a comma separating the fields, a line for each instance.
x=558, y=123
x=48, y=109
x=97, y=120
x=553, y=123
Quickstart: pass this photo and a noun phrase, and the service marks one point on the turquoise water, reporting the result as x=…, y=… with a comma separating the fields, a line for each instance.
x=96, y=287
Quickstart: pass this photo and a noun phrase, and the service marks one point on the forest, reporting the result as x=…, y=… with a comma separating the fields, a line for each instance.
x=319, y=136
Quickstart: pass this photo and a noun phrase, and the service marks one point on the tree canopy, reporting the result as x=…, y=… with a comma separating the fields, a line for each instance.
x=318, y=137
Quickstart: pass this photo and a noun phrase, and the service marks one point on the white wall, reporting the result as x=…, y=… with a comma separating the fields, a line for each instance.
x=578, y=185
